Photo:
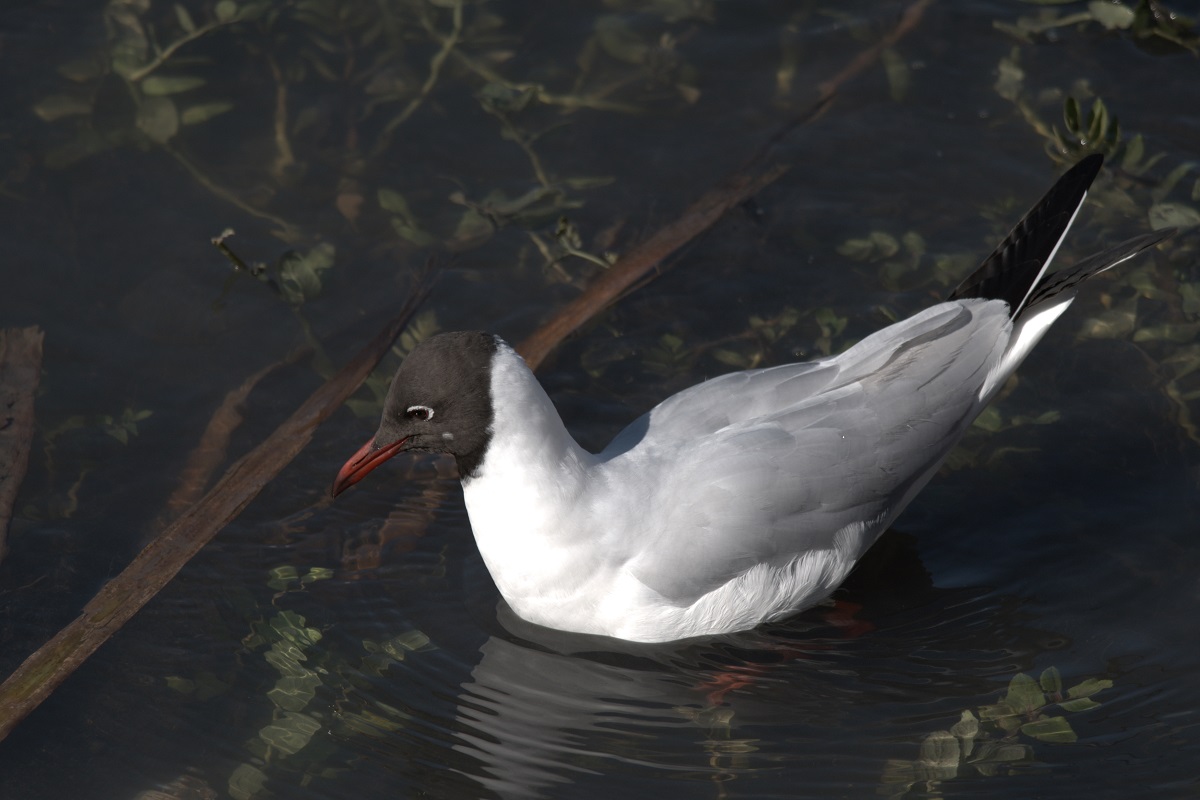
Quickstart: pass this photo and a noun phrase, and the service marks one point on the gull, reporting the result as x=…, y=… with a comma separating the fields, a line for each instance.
x=744, y=498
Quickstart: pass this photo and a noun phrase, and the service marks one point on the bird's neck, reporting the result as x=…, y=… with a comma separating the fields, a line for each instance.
x=532, y=478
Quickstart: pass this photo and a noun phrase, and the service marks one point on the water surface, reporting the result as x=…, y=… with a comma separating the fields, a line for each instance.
x=1060, y=538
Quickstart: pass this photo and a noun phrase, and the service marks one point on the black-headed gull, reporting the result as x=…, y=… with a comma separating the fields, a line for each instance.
x=744, y=498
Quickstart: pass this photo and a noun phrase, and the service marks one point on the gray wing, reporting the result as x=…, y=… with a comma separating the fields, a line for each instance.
x=791, y=455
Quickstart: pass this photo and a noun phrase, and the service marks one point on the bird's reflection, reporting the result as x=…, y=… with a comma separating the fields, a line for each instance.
x=545, y=708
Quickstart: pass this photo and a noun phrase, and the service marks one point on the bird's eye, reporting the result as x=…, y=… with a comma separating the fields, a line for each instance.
x=419, y=412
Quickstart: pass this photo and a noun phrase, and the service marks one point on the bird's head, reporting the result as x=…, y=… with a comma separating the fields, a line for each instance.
x=439, y=402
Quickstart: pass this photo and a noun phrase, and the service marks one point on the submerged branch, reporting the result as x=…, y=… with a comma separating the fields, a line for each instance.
x=570, y=102
x=285, y=159
x=144, y=72
x=697, y=218
x=704, y=213
x=210, y=452
x=20, y=371
x=161, y=560
x=449, y=43
x=286, y=228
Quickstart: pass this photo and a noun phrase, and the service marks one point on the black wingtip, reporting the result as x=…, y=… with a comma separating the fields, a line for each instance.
x=1088, y=167
x=1010, y=273
x=1064, y=280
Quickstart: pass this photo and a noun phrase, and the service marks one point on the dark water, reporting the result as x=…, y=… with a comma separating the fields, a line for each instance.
x=1067, y=544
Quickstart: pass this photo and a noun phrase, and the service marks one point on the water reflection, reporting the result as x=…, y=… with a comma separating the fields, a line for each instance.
x=545, y=709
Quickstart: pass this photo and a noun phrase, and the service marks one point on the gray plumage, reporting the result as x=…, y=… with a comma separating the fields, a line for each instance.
x=741, y=499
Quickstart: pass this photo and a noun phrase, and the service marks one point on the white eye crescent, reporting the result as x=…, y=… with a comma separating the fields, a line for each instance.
x=419, y=412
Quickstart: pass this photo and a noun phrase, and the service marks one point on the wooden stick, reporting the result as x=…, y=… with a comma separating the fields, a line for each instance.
x=704, y=213
x=20, y=371
x=214, y=442
x=697, y=218
x=161, y=560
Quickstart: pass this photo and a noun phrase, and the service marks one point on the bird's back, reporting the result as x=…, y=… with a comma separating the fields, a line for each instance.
x=761, y=466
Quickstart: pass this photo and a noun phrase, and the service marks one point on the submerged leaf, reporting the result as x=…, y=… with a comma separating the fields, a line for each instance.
x=1050, y=729
x=914, y=243
x=731, y=358
x=1173, y=215
x=1135, y=148
x=160, y=85
x=989, y=419
x=857, y=249
x=82, y=70
x=181, y=685
x=1178, y=332
x=185, y=18
x=1006, y=752
x=500, y=98
x=406, y=230
x=995, y=712
x=1051, y=680
x=293, y=692
x=226, y=10
x=1024, y=696
x=1113, y=16
x=209, y=685
x=1089, y=687
x=885, y=244
x=291, y=733
x=158, y=118
x=246, y=782
x=1010, y=78
x=966, y=729
x=898, y=74
x=393, y=201
x=877, y=246
x=414, y=640
x=57, y=106
x=281, y=577
x=300, y=275
x=194, y=115
x=472, y=229
x=940, y=749
x=619, y=41
x=1080, y=704
x=317, y=574
x=409, y=642
x=1045, y=418
x=421, y=328
x=1071, y=115
x=1111, y=324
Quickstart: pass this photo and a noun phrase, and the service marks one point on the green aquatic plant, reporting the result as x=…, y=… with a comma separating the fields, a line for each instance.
x=290, y=741
x=899, y=258
x=994, y=739
x=1099, y=133
x=295, y=276
x=1148, y=306
x=158, y=77
x=1148, y=21
x=57, y=502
